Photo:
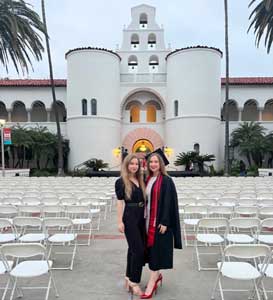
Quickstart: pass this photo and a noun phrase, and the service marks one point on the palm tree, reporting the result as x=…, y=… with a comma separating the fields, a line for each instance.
x=262, y=16
x=249, y=138
x=55, y=104
x=19, y=34
x=227, y=168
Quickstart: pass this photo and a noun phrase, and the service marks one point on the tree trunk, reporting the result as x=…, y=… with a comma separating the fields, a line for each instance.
x=55, y=107
x=227, y=168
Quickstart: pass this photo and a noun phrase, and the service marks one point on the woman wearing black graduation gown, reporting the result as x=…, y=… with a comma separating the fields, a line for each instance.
x=130, y=192
x=162, y=222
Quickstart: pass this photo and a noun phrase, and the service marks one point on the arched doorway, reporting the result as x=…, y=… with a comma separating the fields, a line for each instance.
x=142, y=141
x=143, y=146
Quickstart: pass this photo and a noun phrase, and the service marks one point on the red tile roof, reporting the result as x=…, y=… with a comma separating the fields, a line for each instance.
x=62, y=82
x=31, y=82
x=249, y=80
x=193, y=47
x=92, y=48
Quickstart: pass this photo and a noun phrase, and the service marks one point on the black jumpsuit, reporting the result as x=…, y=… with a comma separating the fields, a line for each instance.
x=134, y=223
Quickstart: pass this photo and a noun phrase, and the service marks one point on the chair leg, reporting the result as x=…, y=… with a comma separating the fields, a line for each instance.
x=6, y=289
x=221, y=289
x=197, y=255
x=54, y=284
x=73, y=255
x=48, y=288
x=215, y=285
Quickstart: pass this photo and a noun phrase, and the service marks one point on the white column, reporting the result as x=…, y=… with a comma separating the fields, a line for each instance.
x=9, y=115
x=240, y=114
x=48, y=115
x=260, y=109
x=28, y=116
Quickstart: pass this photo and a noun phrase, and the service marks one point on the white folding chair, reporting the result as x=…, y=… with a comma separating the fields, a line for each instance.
x=30, y=229
x=82, y=220
x=192, y=215
x=28, y=268
x=3, y=273
x=220, y=211
x=29, y=210
x=208, y=234
x=7, y=231
x=246, y=211
x=8, y=211
x=54, y=210
x=266, y=212
x=242, y=270
x=265, y=234
x=63, y=235
x=243, y=230
x=268, y=272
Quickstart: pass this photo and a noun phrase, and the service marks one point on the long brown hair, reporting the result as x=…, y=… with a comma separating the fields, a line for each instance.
x=162, y=168
x=125, y=176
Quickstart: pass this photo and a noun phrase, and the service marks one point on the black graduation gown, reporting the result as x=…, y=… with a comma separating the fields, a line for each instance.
x=160, y=255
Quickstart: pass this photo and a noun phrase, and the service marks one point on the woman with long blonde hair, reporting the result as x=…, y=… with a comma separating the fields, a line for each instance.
x=162, y=222
x=130, y=192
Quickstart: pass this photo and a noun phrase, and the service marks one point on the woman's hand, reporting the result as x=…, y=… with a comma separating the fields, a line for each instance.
x=162, y=228
x=121, y=227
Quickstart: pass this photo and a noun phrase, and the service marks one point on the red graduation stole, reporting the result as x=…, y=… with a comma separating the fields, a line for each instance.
x=153, y=209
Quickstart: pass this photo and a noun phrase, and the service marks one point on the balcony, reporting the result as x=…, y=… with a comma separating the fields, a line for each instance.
x=143, y=78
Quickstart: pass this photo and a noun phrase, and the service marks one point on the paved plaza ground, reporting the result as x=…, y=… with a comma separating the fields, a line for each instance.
x=98, y=273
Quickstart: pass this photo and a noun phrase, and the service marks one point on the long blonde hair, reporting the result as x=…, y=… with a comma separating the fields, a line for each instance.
x=125, y=176
x=162, y=167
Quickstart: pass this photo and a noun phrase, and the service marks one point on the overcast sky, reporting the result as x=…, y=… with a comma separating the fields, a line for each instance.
x=78, y=23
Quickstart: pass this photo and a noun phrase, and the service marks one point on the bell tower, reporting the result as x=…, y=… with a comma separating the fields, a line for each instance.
x=143, y=47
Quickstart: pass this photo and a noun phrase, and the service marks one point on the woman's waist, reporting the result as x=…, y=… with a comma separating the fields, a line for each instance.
x=140, y=204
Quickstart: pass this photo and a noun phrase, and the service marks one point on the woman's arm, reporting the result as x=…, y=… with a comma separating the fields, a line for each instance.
x=120, y=204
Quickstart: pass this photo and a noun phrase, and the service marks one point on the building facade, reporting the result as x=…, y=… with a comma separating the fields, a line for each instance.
x=140, y=97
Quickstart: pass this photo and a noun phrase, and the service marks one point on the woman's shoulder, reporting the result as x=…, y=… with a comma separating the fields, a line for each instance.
x=119, y=182
x=168, y=180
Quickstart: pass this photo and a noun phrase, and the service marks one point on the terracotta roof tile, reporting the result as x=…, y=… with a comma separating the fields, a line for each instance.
x=62, y=82
x=31, y=82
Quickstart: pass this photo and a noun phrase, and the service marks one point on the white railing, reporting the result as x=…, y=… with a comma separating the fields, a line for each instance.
x=143, y=77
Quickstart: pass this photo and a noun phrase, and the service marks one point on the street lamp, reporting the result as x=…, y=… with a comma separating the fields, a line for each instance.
x=2, y=124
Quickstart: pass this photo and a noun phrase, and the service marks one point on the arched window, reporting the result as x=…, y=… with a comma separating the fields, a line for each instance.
x=153, y=64
x=134, y=42
x=3, y=111
x=250, y=111
x=93, y=107
x=134, y=114
x=175, y=108
x=38, y=112
x=268, y=111
x=61, y=112
x=132, y=64
x=151, y=113
x=233, y=112
x=151, y=41
x=143, y=21
x=19, y=113
x=84, y=107
x=196, y=148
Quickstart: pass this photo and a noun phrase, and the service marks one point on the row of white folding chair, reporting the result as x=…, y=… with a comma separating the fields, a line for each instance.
x=241, y=269
x=225, y=201
x=51, y=231
x=221, y=231
x=57, y=210
x=29, y=268
x=192, y=214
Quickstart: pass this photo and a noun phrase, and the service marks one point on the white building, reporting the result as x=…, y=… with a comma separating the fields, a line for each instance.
x=142, y=95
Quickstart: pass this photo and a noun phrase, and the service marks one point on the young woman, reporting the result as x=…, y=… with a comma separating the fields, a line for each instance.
x=162, y=222
x=130, y=191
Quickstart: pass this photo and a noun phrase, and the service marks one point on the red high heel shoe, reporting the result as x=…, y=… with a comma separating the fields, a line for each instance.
x=145, y=296
x=159, y=279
